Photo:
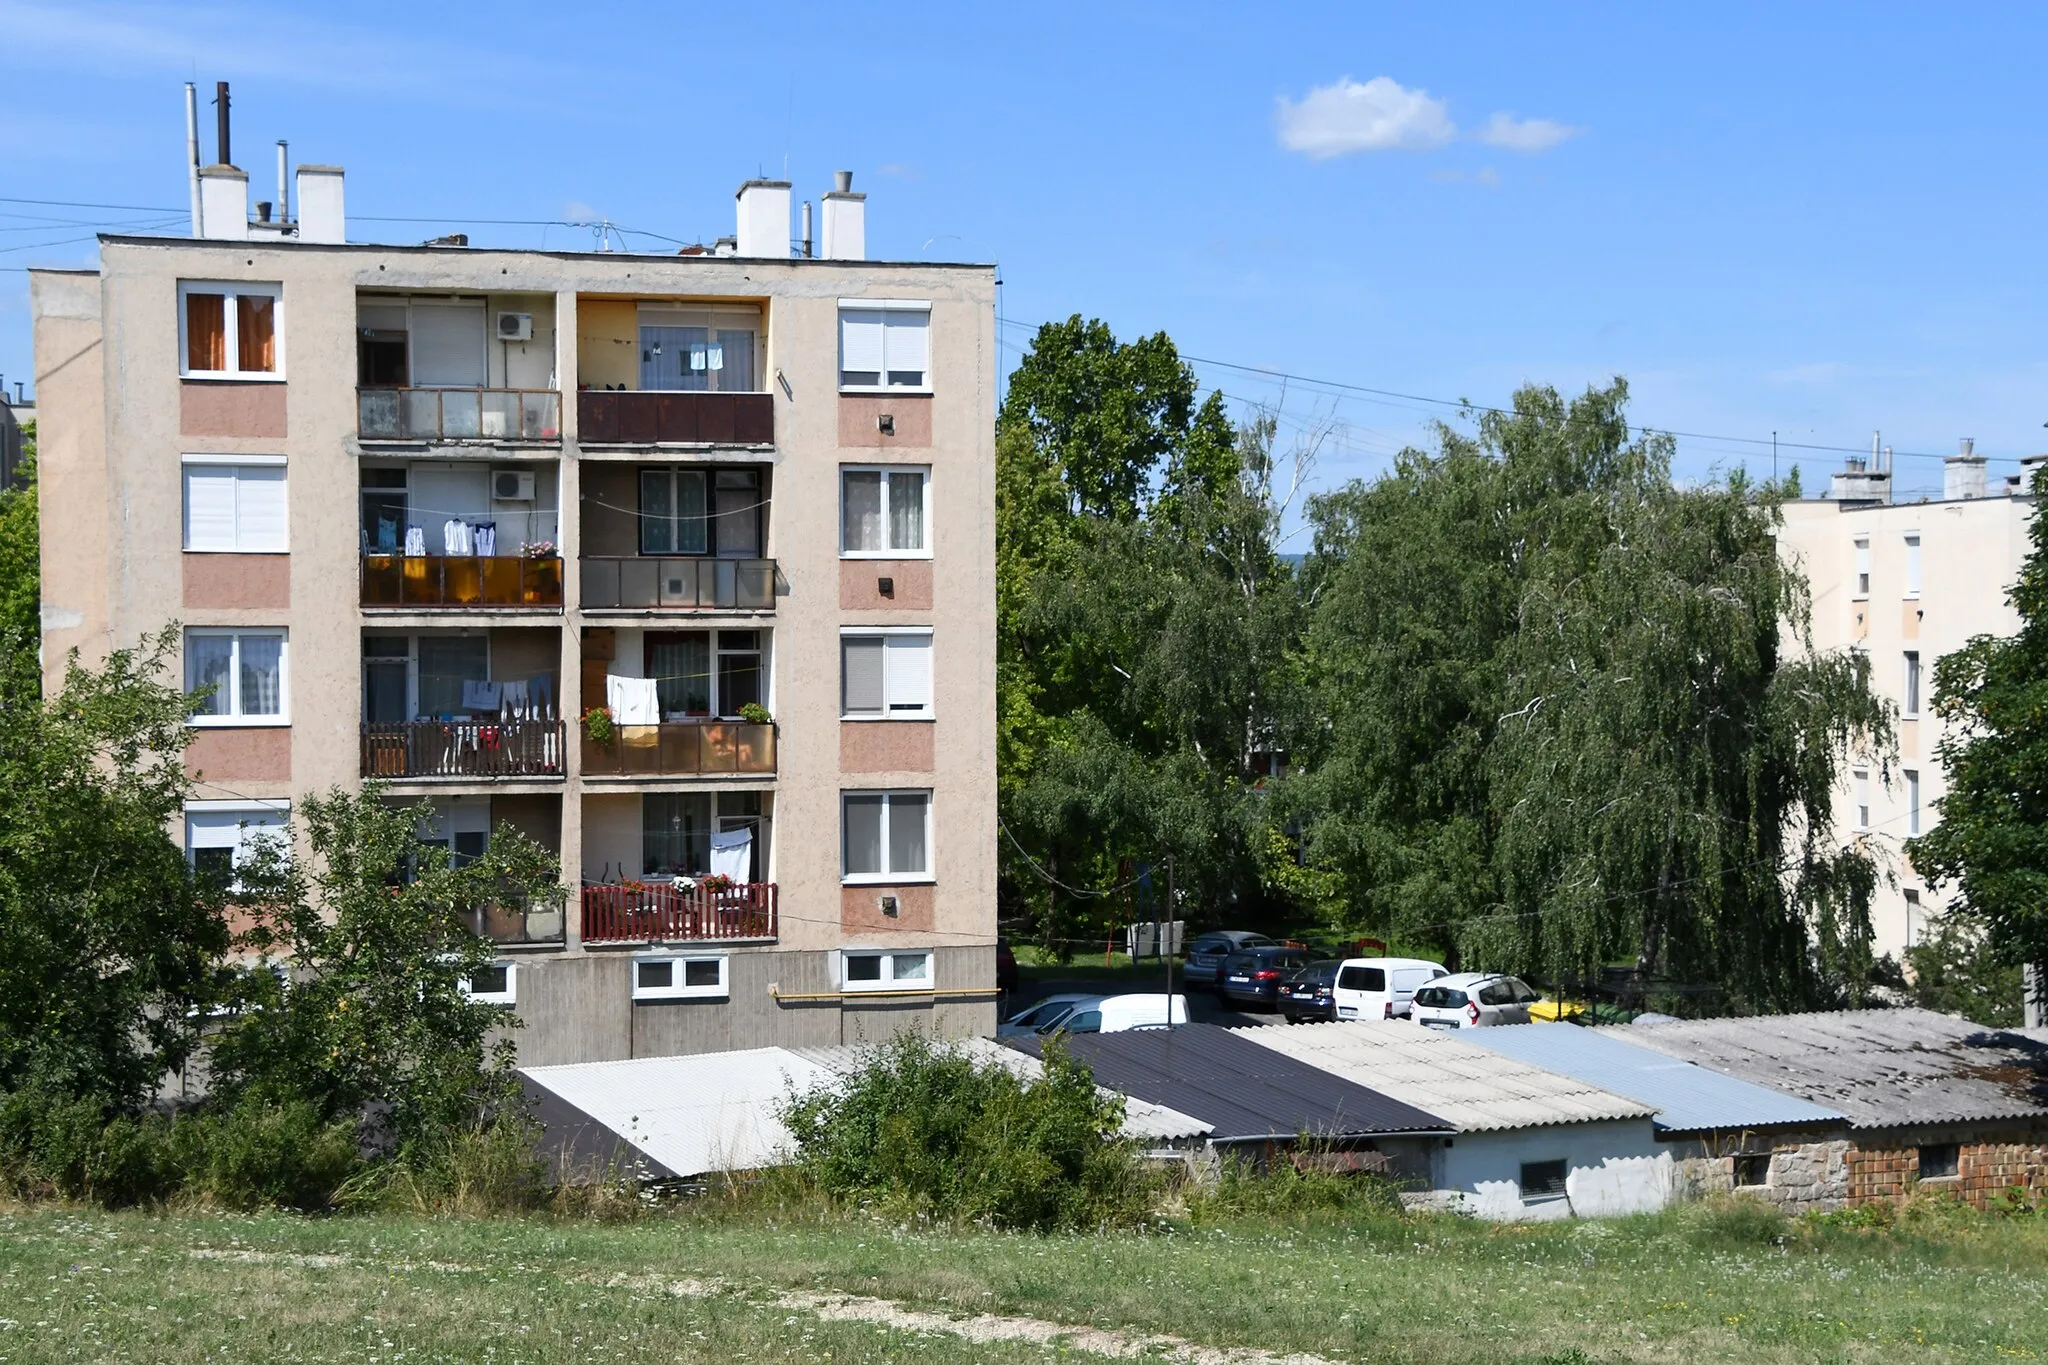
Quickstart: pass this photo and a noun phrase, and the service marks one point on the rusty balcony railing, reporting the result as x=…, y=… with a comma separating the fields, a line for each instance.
x=658, y=912
x=461, y=581
x=669, y=417
x=464, y=748
x=683, y=584
x=459, y=415
x=706, y=748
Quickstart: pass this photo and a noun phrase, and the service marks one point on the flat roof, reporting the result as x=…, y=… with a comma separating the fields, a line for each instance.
x=552, y=253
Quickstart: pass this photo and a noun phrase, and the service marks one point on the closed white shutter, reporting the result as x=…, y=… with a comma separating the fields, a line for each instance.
x=448, y=346
x=259, y=509
x=209, y=507
x=908, y=665
x=908, y=347
x=863, y=675
x=860, y=346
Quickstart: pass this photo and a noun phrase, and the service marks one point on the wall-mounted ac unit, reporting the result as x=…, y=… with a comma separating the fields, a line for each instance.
x=515, y=326
x=511, y=485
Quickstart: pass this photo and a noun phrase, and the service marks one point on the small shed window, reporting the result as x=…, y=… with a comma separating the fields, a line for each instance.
x=1753, y=1169
x=1938, y=1161
x=1542, y=1180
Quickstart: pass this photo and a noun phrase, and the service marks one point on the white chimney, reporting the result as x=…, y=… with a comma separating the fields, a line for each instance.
x=224, y=203
x=845, y=229
x=321, y=218
x=764, y=219
x=1962, y=474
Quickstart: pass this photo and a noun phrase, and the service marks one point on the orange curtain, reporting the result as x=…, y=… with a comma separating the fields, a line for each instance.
x=256, y=333
x=206, y=332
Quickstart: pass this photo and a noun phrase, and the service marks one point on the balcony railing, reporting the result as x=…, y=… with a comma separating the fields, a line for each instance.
x=707, y=748
x=656, y=912
x=464, y=748
x=513, y=923
x=663, y=417
x=461, y=581
x=680, y=584
x=458, y=414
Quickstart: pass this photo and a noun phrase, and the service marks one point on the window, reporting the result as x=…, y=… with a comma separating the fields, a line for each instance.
x=1752, y=1169
x=1362, y=979
x=884, y=344
x=246, y=672
x=678, y=977
x=881, y=513
x=1912, y=566
x=698, y=350
x=1912, y=682
x=1543, y=1180
x=1912, y=913
x=676, y=830
x=448, y=666
x=886, y=675
x=1913, y=804
x=886, y=836
x=703, y=673
x=496, y=984
x=224, y=836
x=701, y=512
x=1496, y=993
x=1938, y=1161
x=873, y=971
x=1863, y=567
x=1860, y=779
x=230, y=331
x=235, y=506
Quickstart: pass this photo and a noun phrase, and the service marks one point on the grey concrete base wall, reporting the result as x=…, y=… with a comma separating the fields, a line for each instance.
x=580, y=1007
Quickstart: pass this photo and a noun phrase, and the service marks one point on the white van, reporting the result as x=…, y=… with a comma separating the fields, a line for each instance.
x=1119, y=1013
x=1381, y=987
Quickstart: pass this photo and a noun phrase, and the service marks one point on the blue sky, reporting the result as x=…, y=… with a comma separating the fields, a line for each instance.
x=1821, y=223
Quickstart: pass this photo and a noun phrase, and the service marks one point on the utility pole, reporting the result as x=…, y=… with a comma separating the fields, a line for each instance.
x=1172, y=905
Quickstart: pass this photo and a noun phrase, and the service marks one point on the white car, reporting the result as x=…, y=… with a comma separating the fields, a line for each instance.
x=1032, y=1017
x=1473, y=1000
x=1119, y=1013
x=1381, y=987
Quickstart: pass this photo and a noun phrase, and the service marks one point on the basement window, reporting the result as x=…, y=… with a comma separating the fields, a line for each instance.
x=675, y=977
x=1542, y=1180
x=886, y=971
x=495, y=984
x=1938, y=1162
x=1753, y=1169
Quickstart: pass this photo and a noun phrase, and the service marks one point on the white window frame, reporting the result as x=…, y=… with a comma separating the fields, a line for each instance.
x=883, y=306
x=1912, y=776
x=508, y=996
x=1913, y=564
x=676, y=989
x=1911, y=681
x=275, y=818
x=1859, y=797
x=885, y=470
x=888, y=877
x=886, y=634
x=889, y=979
x=1859, y=571
x=189, y=463
x=231, y=351
x=234, y=718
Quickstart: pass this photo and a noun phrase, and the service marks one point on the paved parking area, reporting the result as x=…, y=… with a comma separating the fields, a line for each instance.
x=1204, y=1006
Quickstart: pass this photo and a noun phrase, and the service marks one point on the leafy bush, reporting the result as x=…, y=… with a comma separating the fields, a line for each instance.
x=1735, y=1222
x=922, y=1130
x=484, y=1170
x=1287, y=1190
x=52, y=1144
x=259, y=1154
x=1955, y=971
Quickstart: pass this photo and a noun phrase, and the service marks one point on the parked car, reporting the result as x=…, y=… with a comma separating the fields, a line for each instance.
x=1207, y=952
x=1311, y=993
x=1382, y=987
x=1473, y=1000
x=1119, y=1013
x=1253, y=976
x=1006, y=966
x=1028, y=1019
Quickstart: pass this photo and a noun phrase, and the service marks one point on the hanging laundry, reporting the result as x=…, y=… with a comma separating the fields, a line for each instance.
x=715, y=357
x=696, y=357
x=487, y=538
x=542, y=689
x=732, y=854
x=415, y=541
x=455, y=538
x=482, y=696
x=516, y=705
x=632, y=700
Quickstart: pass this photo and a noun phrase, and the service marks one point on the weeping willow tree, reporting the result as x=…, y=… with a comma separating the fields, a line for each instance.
x=1571, y=715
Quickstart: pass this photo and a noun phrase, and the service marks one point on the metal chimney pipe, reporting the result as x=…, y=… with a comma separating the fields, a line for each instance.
x=842, y=182
x=807, y=229
x=220, y=119
x=1969, y=445
x=192, y=151
x=284, y=194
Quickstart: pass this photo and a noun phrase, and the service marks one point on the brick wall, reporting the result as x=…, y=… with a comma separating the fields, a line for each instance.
x=1890, y=1172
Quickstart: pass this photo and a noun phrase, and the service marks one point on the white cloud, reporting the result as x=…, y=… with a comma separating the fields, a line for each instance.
x=1523, y=134
x=1378, y=116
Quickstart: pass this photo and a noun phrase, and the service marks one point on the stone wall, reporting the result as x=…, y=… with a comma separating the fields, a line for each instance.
x=1839, y=1172
x=1801, y=1177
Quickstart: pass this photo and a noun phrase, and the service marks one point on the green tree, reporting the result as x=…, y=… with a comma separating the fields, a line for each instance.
x=1991, y=845
x=1956, y=972
x=21, y=577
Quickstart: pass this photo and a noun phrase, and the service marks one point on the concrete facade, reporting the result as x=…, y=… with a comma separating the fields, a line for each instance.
x=122, y=418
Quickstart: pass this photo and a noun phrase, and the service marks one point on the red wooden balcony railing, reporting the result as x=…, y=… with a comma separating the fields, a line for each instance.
x=657, y=912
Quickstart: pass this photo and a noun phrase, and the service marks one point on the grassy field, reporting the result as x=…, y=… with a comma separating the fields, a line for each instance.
x=1694, y=1285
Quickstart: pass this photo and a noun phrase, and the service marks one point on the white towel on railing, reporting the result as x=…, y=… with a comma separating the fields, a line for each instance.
x=633, y=700
x=415, y=541
x=732, y=854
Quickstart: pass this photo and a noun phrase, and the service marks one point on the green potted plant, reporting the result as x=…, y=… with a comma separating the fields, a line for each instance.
x=753, y=713
x=598, y=727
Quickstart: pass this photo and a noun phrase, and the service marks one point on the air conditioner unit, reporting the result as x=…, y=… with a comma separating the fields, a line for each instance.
x=515, y=326
x=511, y=485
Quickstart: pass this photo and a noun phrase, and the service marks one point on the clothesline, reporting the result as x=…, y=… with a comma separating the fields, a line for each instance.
x=413, y=509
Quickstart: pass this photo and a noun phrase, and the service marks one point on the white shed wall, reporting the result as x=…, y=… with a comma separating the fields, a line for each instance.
x=1613, y=1169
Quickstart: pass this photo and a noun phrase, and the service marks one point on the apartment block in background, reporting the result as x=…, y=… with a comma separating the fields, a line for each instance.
x=419, y=509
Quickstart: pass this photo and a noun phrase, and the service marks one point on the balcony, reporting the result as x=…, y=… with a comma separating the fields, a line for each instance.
x=655, y=912
x=668, y=417
x=706, y=748
x=516, y=924
x=443, y=415
x=432, y=581
x=634, y=582
x=464, y=748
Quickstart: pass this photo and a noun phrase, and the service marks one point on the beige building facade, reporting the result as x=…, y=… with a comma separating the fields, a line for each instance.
x=419, y=510
x=1906, y=583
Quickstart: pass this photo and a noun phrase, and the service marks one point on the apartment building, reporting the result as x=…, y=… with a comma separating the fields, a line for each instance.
x=1907, y=582
x=419, y=509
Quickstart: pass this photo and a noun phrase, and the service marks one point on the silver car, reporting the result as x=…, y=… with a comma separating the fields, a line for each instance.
x=1208, y=951
x=1034, y=1017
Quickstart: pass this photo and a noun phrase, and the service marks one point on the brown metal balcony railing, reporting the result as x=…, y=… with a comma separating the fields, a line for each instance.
x=700, y=584
x=461, y=581
x=706, y=748
x=663, y=417
x=656, y=912
x=511, y=923
x=459, y=415
x=465, y=748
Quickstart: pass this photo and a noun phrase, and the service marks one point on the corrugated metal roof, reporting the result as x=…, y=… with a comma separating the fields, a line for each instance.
x=1244, y=1091
x=1478, y=1090
x=1688, y=1098
x=1883, y=1068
